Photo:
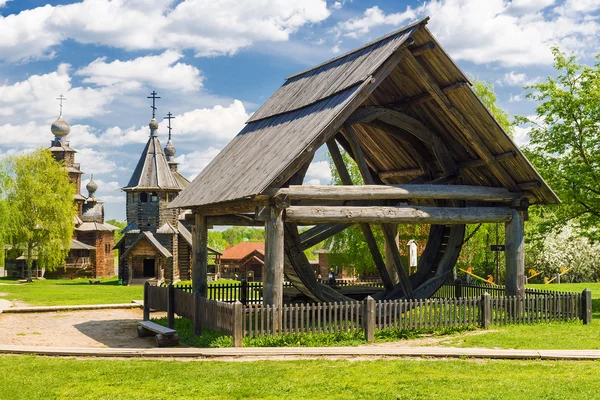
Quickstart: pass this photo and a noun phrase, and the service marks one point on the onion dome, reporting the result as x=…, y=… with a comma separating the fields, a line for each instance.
x=153, y=127
x=60, y=127
x=170, y=149
x=92, y=186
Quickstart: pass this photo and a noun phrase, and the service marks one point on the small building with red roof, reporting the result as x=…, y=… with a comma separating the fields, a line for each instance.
x=244, y=260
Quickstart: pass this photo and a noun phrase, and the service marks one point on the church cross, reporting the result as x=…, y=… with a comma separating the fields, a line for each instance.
x=61, y=98
x=169, y=117
x=153, y=106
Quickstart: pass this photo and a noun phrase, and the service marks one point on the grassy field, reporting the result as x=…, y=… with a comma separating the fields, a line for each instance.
x=31, y=377
x=555, y=335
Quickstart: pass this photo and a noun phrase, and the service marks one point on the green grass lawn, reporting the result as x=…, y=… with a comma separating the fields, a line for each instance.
x=29, y=377
x=56, y=292
x=554, y=335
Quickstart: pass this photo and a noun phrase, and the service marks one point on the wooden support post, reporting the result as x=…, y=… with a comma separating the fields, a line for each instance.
x=369, y=319
x=515, y=256
x=274, y=256
x=200, y=255
x=334, y=151
x=171, y=306
x=486, y=310
x=197, y=314
x=147, y=301
x=397, y=270
x=243, y=291
x=457, y=289
x=586, y=306
x=389, y=248
x=238, y=324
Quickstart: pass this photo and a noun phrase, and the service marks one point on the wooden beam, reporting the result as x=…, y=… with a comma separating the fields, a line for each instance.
x=421, y=75
x=515, y=256
x=400, y=173
x=393, y=260
x=398, y=215
x=424, y=97
x=423, y=133
x=533, y=185
x=274, y=256
x=388, y=283
x=231, y=207
x=481, y=163
x=331, y=229
x=199, y=255
x=395, y=192
x=422, y=49
x=358, y=154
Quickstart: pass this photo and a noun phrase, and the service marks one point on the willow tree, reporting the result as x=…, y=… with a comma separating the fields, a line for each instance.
x=41, y=209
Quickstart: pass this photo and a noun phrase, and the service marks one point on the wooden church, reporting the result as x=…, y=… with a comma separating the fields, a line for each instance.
x=156, y=244
x=91, y=252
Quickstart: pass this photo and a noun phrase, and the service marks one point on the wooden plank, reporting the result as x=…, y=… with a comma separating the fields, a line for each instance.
x=481, y=163
x=397, y=192
x=398, y=215
x=400, y=173
x=274, y=258
x=422, y=49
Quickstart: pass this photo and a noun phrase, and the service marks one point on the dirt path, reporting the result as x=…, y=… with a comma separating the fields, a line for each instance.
x=97, y=328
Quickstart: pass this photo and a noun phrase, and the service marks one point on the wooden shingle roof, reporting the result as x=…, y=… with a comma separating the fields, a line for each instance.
x=404, y=73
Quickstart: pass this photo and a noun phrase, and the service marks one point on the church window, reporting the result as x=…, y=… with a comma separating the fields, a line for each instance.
x=154, y=197
x=144, y=197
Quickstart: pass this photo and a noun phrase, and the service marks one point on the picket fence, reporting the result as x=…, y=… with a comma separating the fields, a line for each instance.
x=436, y=313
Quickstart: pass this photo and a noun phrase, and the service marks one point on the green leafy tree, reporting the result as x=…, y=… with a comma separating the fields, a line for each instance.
x=565, y=141
x=485, y=92
x=41, y=209
x=119, y=224
x=4, y=213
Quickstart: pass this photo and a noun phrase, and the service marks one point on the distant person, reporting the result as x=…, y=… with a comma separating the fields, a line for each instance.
x=331, y=279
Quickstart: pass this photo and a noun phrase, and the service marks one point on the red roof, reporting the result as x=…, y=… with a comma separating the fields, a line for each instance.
x=243, y=250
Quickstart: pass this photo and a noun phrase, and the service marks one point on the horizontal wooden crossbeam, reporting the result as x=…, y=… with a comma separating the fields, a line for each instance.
x=391, y=192
x=398, y=215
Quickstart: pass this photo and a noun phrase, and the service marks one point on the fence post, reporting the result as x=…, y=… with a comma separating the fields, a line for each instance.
x=171, y=306
x=146, y=301
x=458, y=288
x=238, y=324
x=197, y=315
x=369, y=319
x=486, y=310
x=586, y=306
x=244, y=291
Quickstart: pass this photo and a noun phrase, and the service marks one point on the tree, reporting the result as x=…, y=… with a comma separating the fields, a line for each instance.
x=4, y=213
x=119, y=224
x=565, y=141
x=41, y=209
x=485, y=92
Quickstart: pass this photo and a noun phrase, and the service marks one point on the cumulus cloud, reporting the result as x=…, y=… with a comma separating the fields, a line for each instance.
x=371, y=18
x=516, y=33
x=318, y=173
x=95, y=162
x=161, y=71
x=208, y=27
x=191, y=164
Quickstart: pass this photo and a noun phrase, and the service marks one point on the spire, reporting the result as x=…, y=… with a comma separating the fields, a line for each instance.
x=60, y=128
x=170, y=148
x=153, y=123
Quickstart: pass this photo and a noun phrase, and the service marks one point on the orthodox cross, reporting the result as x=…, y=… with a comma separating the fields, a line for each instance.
x=169, y=117
x=61, y=98
x=153, y=106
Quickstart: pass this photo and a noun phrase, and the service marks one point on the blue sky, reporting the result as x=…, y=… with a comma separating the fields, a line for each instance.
x=213, y=62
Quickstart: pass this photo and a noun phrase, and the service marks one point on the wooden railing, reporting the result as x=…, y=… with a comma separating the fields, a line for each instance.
x=368, y=315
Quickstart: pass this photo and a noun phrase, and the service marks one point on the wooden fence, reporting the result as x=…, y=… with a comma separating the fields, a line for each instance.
x=435, y=313
x=459, y=289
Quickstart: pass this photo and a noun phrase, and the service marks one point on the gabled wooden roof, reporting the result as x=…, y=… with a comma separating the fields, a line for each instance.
x=424, y=119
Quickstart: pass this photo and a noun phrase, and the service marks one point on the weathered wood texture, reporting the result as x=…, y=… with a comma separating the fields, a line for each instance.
x=515, y=256
x=274, y=254
x=398, y=215
x=392, y=192
x=200, y=255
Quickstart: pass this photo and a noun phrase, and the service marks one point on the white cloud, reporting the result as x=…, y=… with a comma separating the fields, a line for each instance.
x=514, y=79
x=318, y=173
x=193, y=163
x=218, y=124
x=371, y=18
x=516, y=33
x=161, y=71
x=95, y=162
x=3, y=2
x=515, y=98
x=521, y=135
x=336, y=48
x=35, y=97
x=490, y=31
x=208, y=27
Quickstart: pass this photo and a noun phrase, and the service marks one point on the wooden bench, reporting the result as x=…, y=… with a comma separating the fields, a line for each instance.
x=23, y=281
x=164, y=336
